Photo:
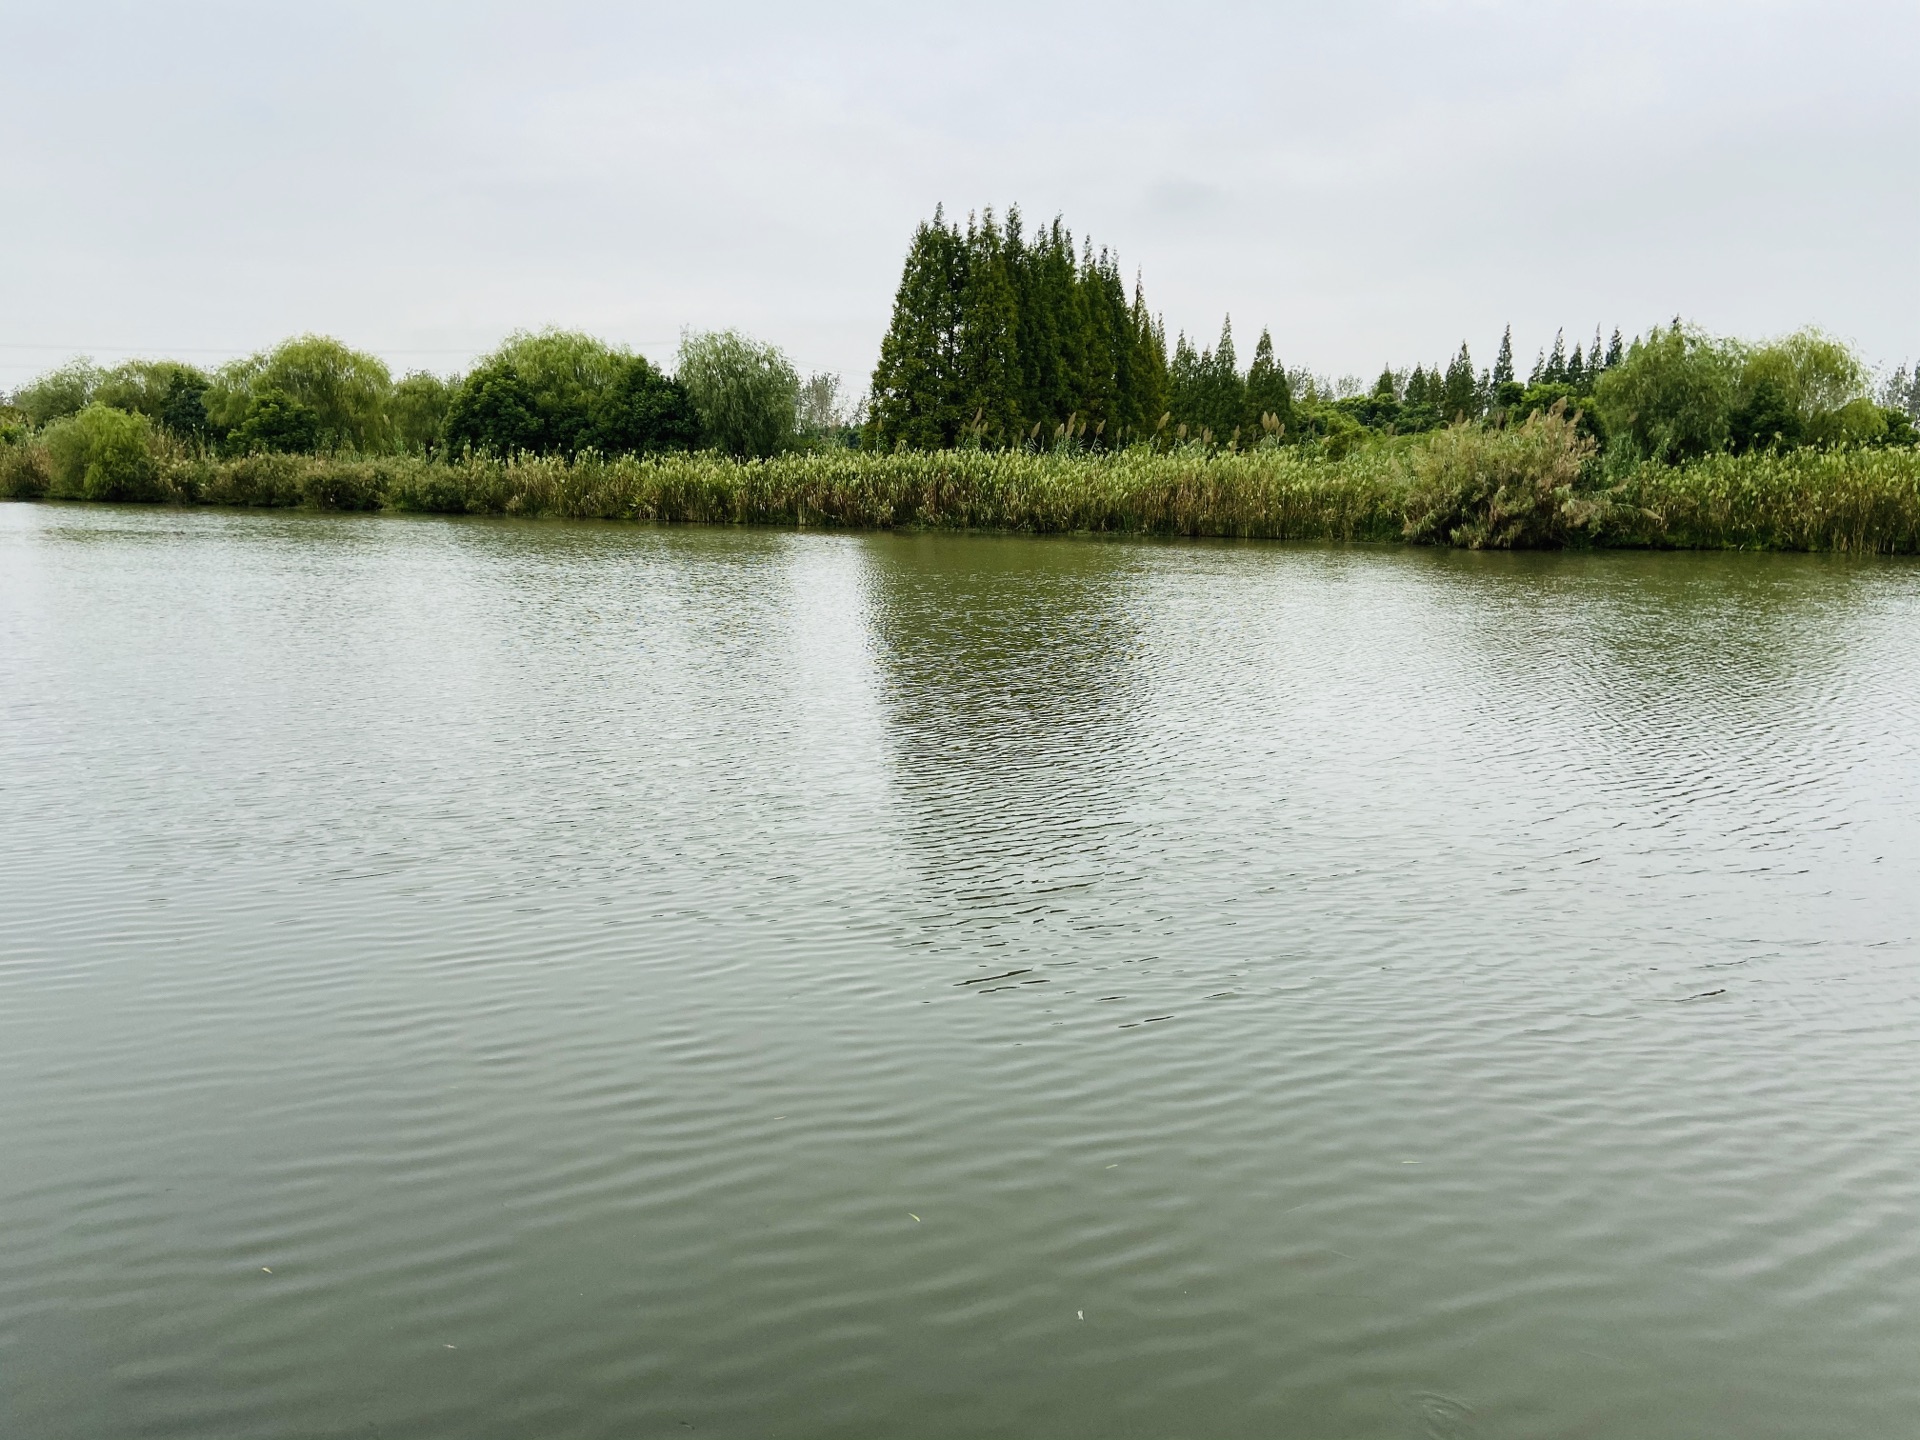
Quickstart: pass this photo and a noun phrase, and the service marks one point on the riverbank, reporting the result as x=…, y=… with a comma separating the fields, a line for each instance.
x=1468, y=488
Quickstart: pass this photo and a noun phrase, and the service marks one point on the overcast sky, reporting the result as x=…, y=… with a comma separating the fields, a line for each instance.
x=1374, y=181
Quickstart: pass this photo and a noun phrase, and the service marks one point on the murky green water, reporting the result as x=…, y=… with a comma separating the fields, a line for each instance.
x=475, y=980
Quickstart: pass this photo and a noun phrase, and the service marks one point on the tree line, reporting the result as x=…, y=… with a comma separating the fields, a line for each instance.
x=1003, y=338
x=551, y=393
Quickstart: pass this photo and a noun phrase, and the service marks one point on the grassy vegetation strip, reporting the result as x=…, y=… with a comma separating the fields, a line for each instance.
x=1483, y=487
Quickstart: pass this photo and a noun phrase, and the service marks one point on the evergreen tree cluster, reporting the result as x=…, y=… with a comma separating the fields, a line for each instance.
x=1000, y=338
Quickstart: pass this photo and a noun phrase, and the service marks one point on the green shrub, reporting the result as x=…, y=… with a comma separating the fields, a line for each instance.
x=102, y=454
x=1511, y=487
x=25, y=468
x=344, y=485
x=263, y=479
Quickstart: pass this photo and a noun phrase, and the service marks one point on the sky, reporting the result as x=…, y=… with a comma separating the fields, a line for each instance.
x=1374, y=182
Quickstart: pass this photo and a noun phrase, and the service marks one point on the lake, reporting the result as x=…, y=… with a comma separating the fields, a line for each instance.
x=476, y=979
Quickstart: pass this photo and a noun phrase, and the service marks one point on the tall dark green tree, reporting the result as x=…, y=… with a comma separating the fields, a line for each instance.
x=1459, y=390
x=987, y=354
x=1503, y=362
x=918, y=389
x=1268, y=393
x=1148, y=376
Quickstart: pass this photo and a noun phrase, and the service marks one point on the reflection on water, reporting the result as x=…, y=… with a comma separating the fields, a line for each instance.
x=474, y=979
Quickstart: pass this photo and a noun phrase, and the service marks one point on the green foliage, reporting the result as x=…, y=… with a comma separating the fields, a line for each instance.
x=417, y=411
x=102, y=454
x=643, y=412
x=1471, y=485
x=1671, y=397
x=1269, y=394
x=1208, y=395
x=1764, y=417
x=559, y=392
x=746, y=394
x=154, y=388
x=344, y=390
x=275, y=420
x=1679, y=394
x=825, y=419
x=1504, y=487
x=59, y=393
x=1000, y=338
x=25, y=469
x=495, y=411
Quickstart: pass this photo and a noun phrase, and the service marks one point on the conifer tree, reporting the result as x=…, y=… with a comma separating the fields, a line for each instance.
x=1219, y=401
x=1100, y=399
x=1576, y=368
x=987, y=343
x=1424, y=387
x=1556, y=368
x=917, y=390
x=1148, y=374
x=1503, y=363
x=1185, y=387
x=1615, y=351
x=1460, y=391
x=1268, y=392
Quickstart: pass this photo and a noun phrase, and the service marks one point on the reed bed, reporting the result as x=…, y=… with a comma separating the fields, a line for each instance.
x=1864, y=500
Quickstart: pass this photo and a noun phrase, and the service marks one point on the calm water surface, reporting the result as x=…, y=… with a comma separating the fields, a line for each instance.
x=481, y=980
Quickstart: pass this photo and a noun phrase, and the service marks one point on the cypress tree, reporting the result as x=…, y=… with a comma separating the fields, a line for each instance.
x=1184, y=388
x=1503, y=363
x=988, y=355
x=1222, y=393
x=917, y=392
x=1103, y=327
x=1556, y=367
x=1268, y=393
x=1147, y=377
x=1460, y=391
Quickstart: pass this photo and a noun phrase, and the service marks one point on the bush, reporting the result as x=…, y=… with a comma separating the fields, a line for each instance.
x=102, y=454
x=25, y=472
x=746, y=394
x=1512, y=487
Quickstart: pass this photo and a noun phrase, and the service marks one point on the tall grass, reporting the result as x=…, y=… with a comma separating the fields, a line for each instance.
x=1533, y=485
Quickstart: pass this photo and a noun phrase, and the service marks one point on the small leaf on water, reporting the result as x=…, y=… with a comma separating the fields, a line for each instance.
x=916, y=1219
